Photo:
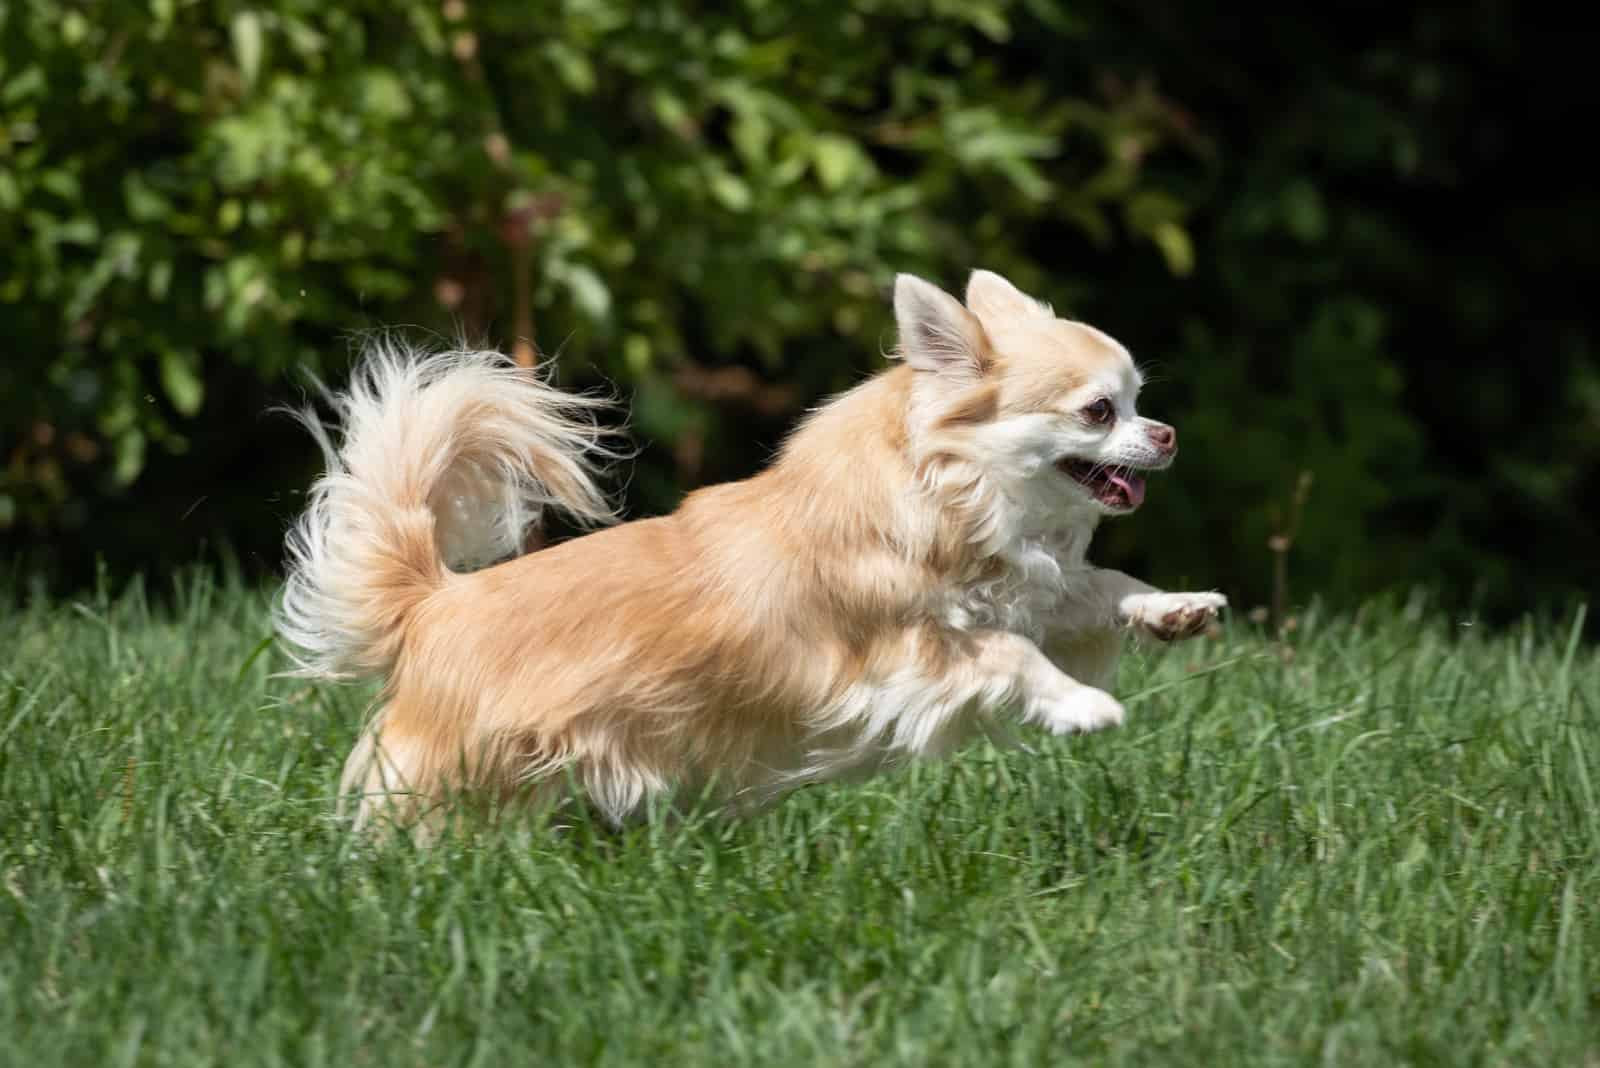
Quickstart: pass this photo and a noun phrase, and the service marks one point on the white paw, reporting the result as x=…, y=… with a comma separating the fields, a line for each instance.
x=1172, y=616
x=1085, y=709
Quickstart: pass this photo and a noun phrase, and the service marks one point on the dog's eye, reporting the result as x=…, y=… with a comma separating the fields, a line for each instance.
x=1100, y=412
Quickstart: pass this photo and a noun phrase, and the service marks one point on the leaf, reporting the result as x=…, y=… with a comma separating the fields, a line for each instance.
x=246, y=33
x=573, y=67
x=1089, y=219
x=1174, y=243
x=1026, y=177
x=383, y=96
x=671, y=111
x=989, y=21
x=636, y=354
x=81, y=230
x=160, y=280
x=589, y=292
x=837, y=158
x=74, y=28
x=130, y=457
x=730, y=190
x=983, y=135
x=99, y=275
x=144, y=203
x=751, y=134
x=62, y=183
x=183, y=387
x=1303, y=212
x=1151, y=209
x=17, y=88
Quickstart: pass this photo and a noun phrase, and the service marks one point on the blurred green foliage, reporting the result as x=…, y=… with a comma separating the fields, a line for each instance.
x=705, y=204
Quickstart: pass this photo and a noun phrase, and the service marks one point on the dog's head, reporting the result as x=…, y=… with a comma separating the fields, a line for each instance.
x=1044, y=405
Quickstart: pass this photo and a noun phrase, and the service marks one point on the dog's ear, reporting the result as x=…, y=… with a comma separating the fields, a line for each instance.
x=994, y=299
x=936, y=333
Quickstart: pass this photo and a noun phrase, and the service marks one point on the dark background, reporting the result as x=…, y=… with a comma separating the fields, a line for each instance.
x=1353, y=246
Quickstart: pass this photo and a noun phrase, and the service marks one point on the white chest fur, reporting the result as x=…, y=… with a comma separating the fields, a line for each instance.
x=1036, y=577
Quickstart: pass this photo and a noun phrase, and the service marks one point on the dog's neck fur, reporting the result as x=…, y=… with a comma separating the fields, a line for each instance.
x=914, y=489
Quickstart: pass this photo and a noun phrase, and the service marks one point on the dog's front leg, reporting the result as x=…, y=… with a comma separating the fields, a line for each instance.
x=1085, y=638
x=1111, y=599
x=997, y=668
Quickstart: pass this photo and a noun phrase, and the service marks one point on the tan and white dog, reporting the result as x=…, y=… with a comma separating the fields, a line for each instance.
x=911, y=566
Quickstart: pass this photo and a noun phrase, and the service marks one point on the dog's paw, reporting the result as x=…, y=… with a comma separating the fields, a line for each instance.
x=1170, y=617
x=1085, y=709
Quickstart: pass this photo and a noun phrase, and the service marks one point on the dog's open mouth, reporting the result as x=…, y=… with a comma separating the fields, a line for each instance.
x=1114, y=487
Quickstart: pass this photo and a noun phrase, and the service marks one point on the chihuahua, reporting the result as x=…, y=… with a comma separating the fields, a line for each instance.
x=911, y=568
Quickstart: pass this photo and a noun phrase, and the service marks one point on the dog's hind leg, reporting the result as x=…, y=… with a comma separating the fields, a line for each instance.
x=392, y=777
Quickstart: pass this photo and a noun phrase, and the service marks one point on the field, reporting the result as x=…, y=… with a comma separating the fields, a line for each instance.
x=1372, y=843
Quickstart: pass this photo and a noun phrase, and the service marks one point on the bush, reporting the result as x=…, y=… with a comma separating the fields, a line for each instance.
x=705, y=206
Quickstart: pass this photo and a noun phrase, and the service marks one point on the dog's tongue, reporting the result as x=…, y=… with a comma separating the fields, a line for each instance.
x=1132, y=487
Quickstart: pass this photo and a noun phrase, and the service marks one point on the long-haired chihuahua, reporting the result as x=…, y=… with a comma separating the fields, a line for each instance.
x=911, y=567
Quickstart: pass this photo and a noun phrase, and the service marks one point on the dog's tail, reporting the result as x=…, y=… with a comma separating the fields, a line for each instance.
x=434, y=461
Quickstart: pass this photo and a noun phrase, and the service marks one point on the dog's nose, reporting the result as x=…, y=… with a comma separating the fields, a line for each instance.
x=1163, y=436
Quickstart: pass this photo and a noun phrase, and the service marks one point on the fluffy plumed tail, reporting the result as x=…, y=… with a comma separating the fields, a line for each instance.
x=436, y=461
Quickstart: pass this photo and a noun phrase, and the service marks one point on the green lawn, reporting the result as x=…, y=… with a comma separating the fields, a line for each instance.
x=1375, y=845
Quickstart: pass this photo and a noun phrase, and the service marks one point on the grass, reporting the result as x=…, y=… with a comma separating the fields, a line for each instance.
x=1373, y=844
